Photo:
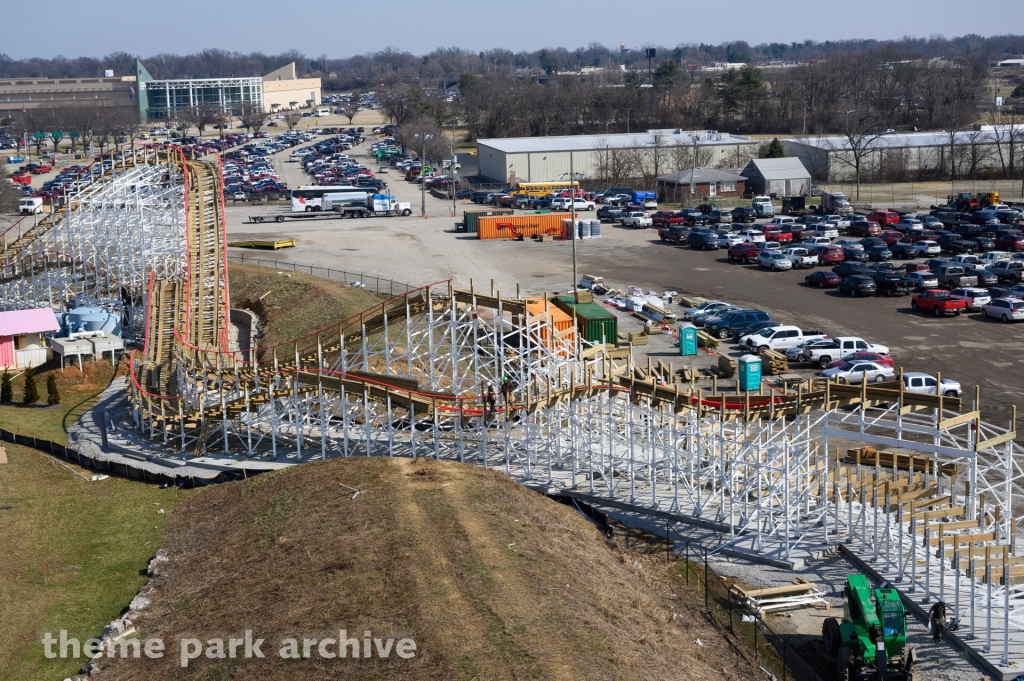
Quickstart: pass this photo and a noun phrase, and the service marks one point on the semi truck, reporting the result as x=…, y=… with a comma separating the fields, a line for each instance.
x=835, y=202
x=355, y=205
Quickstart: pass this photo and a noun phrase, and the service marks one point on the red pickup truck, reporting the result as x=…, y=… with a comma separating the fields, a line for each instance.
x=778, y=234
x=938, y=302
x=667, y=218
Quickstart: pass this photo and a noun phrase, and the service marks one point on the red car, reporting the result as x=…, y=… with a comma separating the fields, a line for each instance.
x=828, y=255
x=892, y=238
x=666, y=218
x=745, y=252
x=916, y=267
x=883, y=217
x=864, y=356
x=777, y=233
x=864, y=229
x=938, y=302
x=1010, y=241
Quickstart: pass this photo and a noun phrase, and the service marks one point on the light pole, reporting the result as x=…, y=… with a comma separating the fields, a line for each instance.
x=423, y=182
x=572, y=214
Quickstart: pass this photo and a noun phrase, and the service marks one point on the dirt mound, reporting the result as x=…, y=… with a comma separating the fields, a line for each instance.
x=489, y=579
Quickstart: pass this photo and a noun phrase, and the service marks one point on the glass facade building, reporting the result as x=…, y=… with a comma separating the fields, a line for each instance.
x=166, y=97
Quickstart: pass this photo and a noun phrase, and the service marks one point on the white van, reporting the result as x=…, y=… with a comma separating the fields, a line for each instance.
x=30, y=206
x=319, y=113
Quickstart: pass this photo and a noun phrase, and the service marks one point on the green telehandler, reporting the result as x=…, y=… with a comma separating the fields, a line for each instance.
x=870, y=643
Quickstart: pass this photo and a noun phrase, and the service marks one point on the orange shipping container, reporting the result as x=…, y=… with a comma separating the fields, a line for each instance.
x=528, y=225
x=564, y=342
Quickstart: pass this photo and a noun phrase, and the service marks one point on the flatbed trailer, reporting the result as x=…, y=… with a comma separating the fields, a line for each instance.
x=357, y=211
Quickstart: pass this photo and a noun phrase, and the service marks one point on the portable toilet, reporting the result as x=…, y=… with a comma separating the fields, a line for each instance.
x=750, y=373
x=687, y=339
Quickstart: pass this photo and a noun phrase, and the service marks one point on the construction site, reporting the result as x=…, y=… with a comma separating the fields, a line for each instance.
x=918, y=491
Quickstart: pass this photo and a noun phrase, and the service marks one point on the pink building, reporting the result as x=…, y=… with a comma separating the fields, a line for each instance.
x=21, y=337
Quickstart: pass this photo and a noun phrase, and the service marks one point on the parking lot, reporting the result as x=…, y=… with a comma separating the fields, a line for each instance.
x=967, y=348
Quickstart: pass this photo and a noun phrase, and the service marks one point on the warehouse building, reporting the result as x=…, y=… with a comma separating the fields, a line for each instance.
x=609, y=158
x=278, y=90
x=899, y=157
x=25, y=94
x=699, y=184
x=777, y=177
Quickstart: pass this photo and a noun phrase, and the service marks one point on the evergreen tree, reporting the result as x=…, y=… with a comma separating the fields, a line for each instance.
x=31, y=393
x=775, y=149
x=6, y=389
x=52, y=392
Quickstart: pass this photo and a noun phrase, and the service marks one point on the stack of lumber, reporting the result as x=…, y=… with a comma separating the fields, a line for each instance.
x=706, y=341
x=774, y=363
x=726, y=366
x=798, y=595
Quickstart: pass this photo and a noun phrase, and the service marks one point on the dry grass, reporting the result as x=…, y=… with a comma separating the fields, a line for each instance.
x=296, y=305
x=92, y=538
x=491, y=580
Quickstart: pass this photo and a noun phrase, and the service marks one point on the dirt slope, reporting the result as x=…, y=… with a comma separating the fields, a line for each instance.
x=491, y=581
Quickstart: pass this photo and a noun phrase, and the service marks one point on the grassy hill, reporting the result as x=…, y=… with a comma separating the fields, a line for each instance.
x=491, y=581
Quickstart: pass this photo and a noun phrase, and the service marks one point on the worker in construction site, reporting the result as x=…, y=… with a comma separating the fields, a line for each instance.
x=506, y=389
x=489, y=401
x=937, y=619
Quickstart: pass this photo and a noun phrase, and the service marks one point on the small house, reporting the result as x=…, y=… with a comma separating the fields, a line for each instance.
x=705, y=183
x=22, y=344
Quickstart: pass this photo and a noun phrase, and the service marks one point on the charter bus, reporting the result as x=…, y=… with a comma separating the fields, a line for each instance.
x=544, y=188
x=308, y=199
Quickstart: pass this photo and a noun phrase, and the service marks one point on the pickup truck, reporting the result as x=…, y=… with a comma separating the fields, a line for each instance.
x=892, y=283
x=1012, y=270
x=778, y=338
x=822, y=354
x=777, y=233
x=636, y=220
x=666, y=218
x=918, y=382
x=800, y=257
x=674, y=233
x=840, y=222
x=745, y=251
x=938, y=302
x=954, y=276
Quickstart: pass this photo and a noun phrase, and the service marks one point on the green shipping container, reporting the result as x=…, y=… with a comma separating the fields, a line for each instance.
x=469, y=217
x=595, y=323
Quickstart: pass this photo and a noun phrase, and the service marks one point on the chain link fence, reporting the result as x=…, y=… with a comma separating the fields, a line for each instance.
x=908, y=196
x=781, y=656
x=379, y=285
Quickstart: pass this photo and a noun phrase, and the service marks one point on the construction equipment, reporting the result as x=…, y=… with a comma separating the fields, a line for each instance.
x=989, y=199
x=871, y=642
x=963, y=201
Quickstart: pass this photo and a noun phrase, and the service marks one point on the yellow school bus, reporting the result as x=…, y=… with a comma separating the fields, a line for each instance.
x=542, y=188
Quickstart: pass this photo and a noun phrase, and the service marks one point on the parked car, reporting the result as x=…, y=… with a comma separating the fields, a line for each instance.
x=892, y=283
x=718, y=216
x=665, y=217
x=1008, y=270
x=825, y=229
x=918, y=382
x=923, y=280
x=753, y=235
x=728, y=239
x=1010, y=241
x=692, y=217
x=1005, y=309
x=927, y=247
x=953, y=275
x=773, y=260
x=752, y=329
x=938, y=302
x=845, y=269
x=800, y=257
x=724, y=326
x=699, y=318
x=858, y=371
x=974, y=298
x=985, y=277
x=745, y=252
x=705, y=241
x=891, y=237
x=636, y=220
x=857, y=285
x=883, y=217
x=828, y=255
x=609, y=213
x=823, y=279
x=779, y=338
x=862, y=227
x=744, y=214
x=707, y=305
x=864, y=356
x=855, y=253
x=879, y=253
x=777, y=233
x=677, y=234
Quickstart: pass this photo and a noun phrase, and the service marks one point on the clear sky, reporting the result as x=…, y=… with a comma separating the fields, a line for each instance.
x=80, y=28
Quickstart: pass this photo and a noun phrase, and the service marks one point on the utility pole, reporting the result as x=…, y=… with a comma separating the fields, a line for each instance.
x=572, y=212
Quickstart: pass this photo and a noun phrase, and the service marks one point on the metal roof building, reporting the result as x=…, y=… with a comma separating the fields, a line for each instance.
x=608, y=157
x=779, y=176
x=895, y=155
x=700, y=183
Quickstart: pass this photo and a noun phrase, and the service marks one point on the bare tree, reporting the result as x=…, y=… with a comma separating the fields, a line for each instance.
x=351, y=107
x=291, y=119
x=397, y=106
x=201, y=117
x=251, y=116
